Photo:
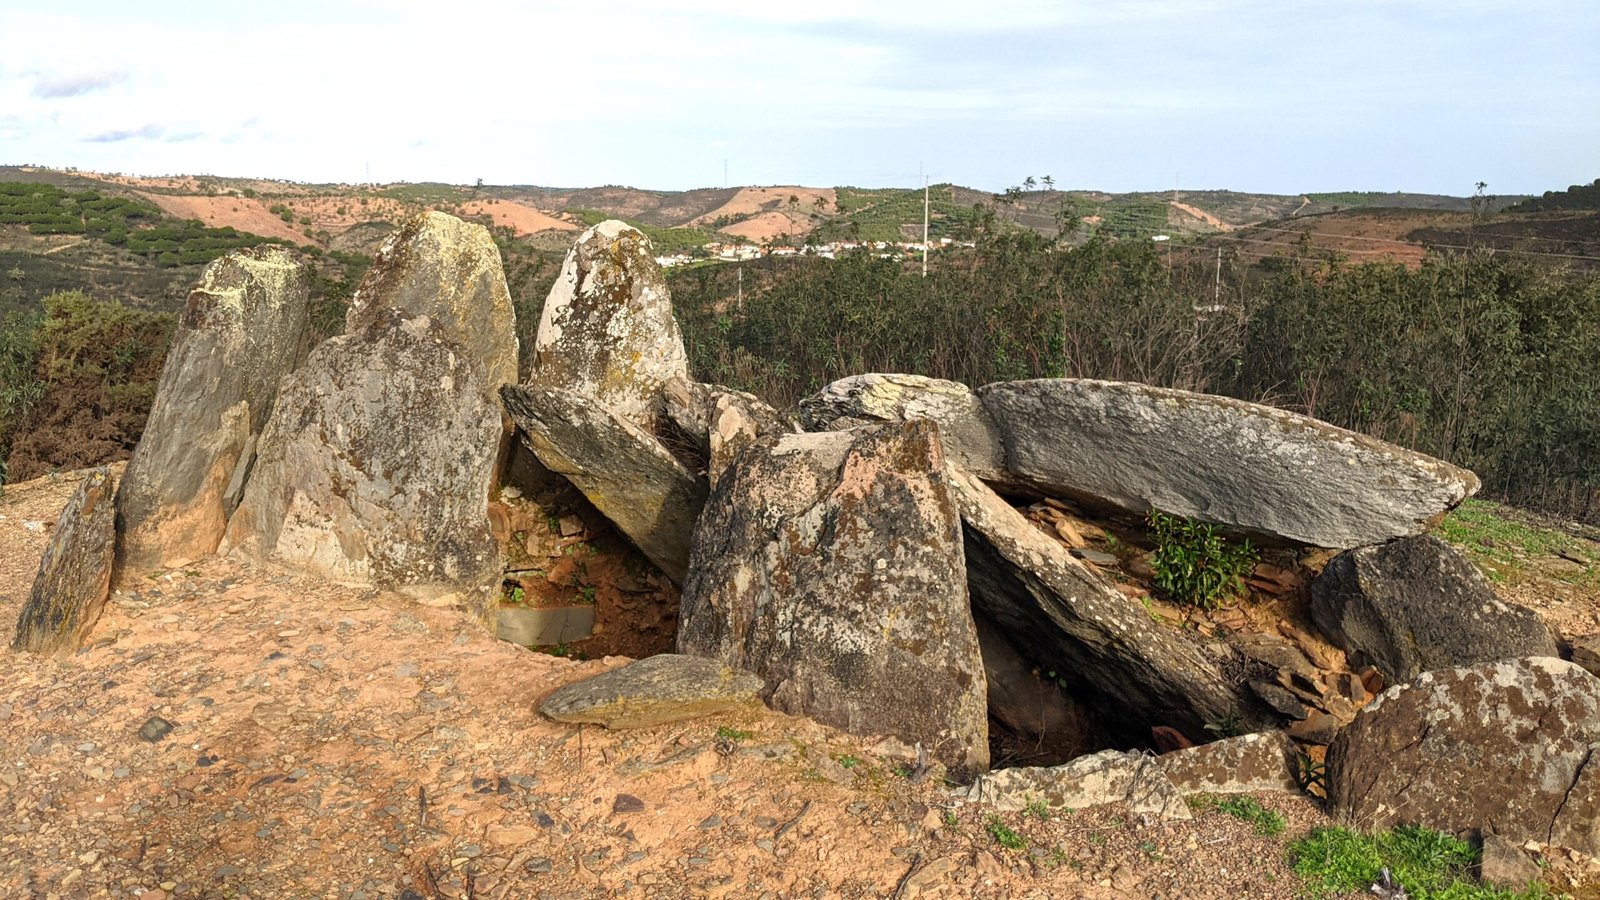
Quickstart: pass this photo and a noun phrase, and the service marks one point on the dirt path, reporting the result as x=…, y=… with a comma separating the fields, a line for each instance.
x=336, y=742
x=1201, y=214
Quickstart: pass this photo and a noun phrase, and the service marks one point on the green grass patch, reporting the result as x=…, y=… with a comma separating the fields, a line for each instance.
x=1428, y=864
x=1267, y=822
x=729, y=733
x=1505, y=541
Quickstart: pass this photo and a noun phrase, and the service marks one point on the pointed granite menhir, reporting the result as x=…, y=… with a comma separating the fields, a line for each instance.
x=75, y=575
x=243, y=329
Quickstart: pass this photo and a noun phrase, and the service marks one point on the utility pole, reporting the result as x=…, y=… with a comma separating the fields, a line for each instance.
x=724, y=171
x=740, y=305
x=1216, y=297
x=924, y=226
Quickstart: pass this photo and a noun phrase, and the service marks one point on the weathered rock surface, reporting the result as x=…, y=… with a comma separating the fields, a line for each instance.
x=655, y=691
x=376, y=466
x=1510, y=747
x=1110, y=776
x=971, y=438
x=623, y=470
x=1128, y=668
x=607, y=331
x=1417, y=604
x=544, y=626
x=831, y=566
x=242, y=330
x=1504, y=865
x=1246, y=466
x=1586, y=653
x=1265, y=761
x=75, y=574
x=438, y=266
x=720, y=421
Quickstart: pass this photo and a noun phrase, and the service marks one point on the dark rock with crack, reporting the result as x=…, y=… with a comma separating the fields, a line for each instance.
x=74, y=577
x=1252, y=468
x=831, y=566
x=1510, y=747
x=243, y=329
x=1417, y=604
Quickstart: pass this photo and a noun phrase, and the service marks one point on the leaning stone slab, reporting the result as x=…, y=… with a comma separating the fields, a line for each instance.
x=654, y=691
x=1250, y=467
x=1265, y=761
x=1418, y=604
x=607, y=330
x=1126, y=667
x=1586, y=653
x=1110, y=776
x=970, y=435
x=75, y=575
x=623, y=470
x=720, y=422
x=376, y=466
x=242, y=330
x=831, y=566
x=1509, y=747
x=438, y=266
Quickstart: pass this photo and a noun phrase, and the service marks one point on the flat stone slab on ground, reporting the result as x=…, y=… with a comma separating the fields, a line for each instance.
x=544, y=626
x=654, y=691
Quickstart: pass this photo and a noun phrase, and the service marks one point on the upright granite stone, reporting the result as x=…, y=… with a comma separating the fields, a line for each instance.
x=376, y=466
x=1261, y=470
x=75, y=575
x=624, y=471
x=1417, y=604
x=1509, y=747
x=971, y=438
x=243, y=329
x=438, y=266
x=1129, y=669
x=607, y=330
x=831, y=566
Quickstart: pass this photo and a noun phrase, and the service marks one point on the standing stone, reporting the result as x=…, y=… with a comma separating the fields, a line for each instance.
x=1130, y=670
x=971, y=438
x=1509, y=747
x=241, y=332
x=1243, y=465
x=607, y=331
x=75, y=575
x=624, y=471
x=376, y=467
x=438, y=266
x=1417, y=604
x=831, y=566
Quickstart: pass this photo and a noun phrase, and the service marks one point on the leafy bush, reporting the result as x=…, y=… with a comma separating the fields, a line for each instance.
x=1427, y=864
x=1194, y=563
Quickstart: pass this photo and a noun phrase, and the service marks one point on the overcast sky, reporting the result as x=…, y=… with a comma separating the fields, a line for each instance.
x=1279, y=96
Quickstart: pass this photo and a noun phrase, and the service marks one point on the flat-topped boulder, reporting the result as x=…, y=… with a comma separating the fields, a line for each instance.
x=971, y=438
x=1418, y=604
x=1509, y=747
x=1110, y=776
x=376, y=467
x=623, y=470
x=831, y=566
x=242, y=330
x=1250, y=467
x=438, y=266
x=607, y=330
x=658, y=690
x=74, y=577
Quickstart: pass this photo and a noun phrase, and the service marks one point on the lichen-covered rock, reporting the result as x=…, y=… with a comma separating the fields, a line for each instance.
x=1262, y=470
x=75, y=575
x=607, y=330
x=1586, y=653
x=1417, y=604
x=655, y=691
x=1126, y=667
x=831, y=566
x=376, y=466
x=1510, y=747
x=1265, y=761
x=623, y=470
x=720, y=422
x=1110, y=776
x=971, y=438
x=438, y=266
x=242, y=330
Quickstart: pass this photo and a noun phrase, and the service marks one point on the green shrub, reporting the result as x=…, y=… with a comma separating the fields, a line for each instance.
x=1194, y=563
x=1004, y=835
